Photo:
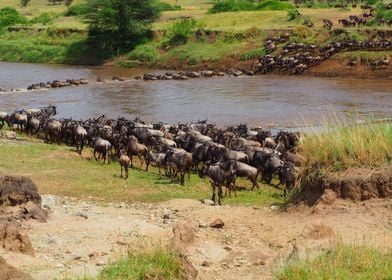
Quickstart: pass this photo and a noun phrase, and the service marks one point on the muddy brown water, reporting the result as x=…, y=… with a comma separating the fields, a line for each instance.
x=280, y=101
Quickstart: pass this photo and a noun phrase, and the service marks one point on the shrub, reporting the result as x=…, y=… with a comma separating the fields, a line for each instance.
x=341, y=262
x=292, y=14
x=78, y=10
x=44, y=19
x=232, y=6
x=244, y=5
x=273, y=5
x=256, y=53
x=162, y=6
x=9, y=16
x=144, y=53
x=159, y=264
x=180, y=32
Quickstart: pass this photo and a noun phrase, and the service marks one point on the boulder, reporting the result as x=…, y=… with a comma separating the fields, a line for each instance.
x=16, y=190
x=8, y=272
x=12, y=238
x=218, y=223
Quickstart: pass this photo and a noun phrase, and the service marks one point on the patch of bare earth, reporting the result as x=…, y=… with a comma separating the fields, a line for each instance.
x=80, y=238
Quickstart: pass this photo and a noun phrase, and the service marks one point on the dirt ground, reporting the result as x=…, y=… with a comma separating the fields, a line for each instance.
x=80, y=237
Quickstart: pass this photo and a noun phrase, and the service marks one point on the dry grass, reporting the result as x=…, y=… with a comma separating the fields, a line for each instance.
x=342, y=146
x=341, y=262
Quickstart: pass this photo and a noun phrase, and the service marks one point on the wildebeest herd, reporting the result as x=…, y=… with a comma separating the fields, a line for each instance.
x=295, y=58
x=222, y=154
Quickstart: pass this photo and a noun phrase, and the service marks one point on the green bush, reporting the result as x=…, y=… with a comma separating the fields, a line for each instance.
x=273, y=5
x=180, y=32
x=9, y=16
x=244, y=5
x=341, y=262
x=144, y=53
x=162, y=6
x=78, y=10
x=292, y=14
x=232, y=6
x=44, y=19
x=159, y=264
x=256, y=53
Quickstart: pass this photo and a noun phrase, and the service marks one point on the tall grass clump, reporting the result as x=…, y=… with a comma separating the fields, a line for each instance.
x=180, y=32
x=343, y=146
x=144, y=53
x=9, y=16
x=158, y=264
x=245, y=5
x=341, y=262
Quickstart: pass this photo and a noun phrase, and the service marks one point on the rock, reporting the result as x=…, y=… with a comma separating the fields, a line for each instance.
x=218, y=223
x=184, y=232
x=8, y=272
x=202, y=225
x=49, y=201
x=59, y=265
x=16, y=190
x=12, y=238
x=205, y=264
x=82, y=214
x=10, y=134
x=100, y=263
x=208, y=202
x=31, y=210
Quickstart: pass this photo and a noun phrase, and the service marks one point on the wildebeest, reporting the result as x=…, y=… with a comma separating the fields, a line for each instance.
x=179, y=160
x=134, y=148
x=327, y=24
x=80, y=135
x=219, y=174
x=53, y=130
x=3, y=119
x=18, y=118
x=32, y=124
x=124, y=161
x=102, y=147
x=157, y=160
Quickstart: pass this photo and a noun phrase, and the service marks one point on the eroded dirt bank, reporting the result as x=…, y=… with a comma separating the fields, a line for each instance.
x=80, y=237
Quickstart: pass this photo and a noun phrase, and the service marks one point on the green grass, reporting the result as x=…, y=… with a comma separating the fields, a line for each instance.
x=158, y=264
x=364, y=55
x=197, y=52
x=344, y=146
x=341, y=262
x=38, y=46
x=59, y=170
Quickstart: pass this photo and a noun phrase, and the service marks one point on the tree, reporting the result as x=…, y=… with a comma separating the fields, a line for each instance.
x=68, y=3
x=24, y=3
x=117, y=25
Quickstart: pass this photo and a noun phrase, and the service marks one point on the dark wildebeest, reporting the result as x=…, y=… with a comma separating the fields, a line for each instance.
x=102, y=147
x=157, y=160
x=19, y=118
x=52, y=131
x=3, y=119
x=134, y=148
x=179, y=160
x=124, y=164
x=220, y=174
x=32, y=124
x=80, y=134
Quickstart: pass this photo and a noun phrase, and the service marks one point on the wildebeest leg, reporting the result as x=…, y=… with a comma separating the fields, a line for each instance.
x=182, y=175
x=220, y=198
x=130, y=157
x=213, y=191
x=126, y=172
x=121, y=167
x=95, y=155
x=81, y=147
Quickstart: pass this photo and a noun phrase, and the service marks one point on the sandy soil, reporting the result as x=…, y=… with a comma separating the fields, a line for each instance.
x=80, y=238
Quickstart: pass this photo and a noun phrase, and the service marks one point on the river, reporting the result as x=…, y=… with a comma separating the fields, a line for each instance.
x=277, y=101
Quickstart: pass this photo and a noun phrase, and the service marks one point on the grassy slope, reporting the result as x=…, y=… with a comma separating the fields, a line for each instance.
x=59, y=170
x=341, y=262
x=26, y=48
